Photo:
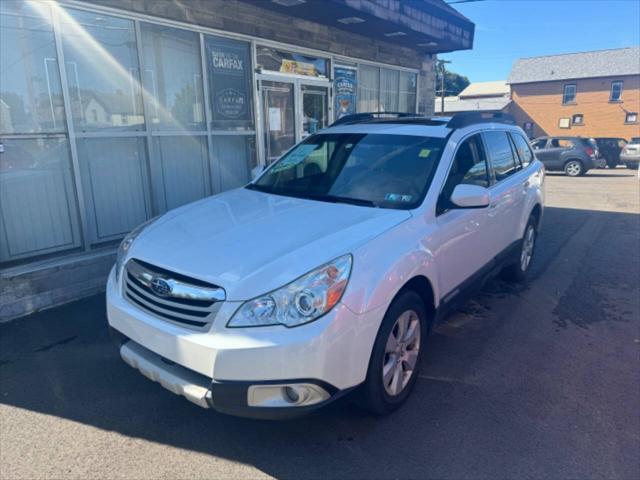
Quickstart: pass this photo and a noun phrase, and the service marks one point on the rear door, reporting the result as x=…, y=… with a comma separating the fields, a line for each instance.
x=556, y=151
x=507, y=192
x=542, y=152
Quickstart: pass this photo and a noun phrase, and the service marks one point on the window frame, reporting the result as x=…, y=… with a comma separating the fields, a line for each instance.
x=564, y=94
x=533, y=156
x=514, y=155
x=619, y=99
x=444, y=205
x=630, y=122
x=573, y=119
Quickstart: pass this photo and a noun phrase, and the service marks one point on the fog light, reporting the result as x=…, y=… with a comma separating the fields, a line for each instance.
x=292, y=395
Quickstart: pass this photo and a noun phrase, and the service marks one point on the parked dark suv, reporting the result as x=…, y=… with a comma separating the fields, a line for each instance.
x=573, y=155
x=610, y=149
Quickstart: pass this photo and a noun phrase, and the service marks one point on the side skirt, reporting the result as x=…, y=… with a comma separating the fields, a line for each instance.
x=460, y=295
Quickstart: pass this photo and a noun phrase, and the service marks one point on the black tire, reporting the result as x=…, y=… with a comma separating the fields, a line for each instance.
x=373, y=395
x=574, y=168
x=632, y=166
x=517, y=271
x=611, y=164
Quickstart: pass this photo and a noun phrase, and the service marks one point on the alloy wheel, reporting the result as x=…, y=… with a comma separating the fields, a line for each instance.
x=573, y=169
x=527, y=248
x=401, y=353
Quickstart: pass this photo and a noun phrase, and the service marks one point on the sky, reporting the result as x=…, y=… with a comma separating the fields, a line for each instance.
x=510, y=29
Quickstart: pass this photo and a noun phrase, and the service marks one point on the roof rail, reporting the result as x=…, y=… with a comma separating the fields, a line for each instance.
x=464, y=119
x=365, y=117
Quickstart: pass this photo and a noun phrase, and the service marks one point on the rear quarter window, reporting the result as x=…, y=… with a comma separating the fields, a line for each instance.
x=500, y=154
x=522, y=149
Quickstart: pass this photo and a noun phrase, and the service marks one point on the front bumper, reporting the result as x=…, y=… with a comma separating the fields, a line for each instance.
x=332, y=352
x=225, y=397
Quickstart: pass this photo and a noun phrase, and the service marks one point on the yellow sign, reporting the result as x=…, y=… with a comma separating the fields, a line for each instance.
x=299, y=68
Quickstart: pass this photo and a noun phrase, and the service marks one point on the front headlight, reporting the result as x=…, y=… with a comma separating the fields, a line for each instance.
x=126, y=243
x=302, y=301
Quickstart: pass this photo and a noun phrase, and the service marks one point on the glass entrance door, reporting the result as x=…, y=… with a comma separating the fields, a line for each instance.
x=291, y=111
x=279, y=119
x=315, y=115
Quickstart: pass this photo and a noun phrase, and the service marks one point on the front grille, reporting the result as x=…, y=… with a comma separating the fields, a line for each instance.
x=186, y=310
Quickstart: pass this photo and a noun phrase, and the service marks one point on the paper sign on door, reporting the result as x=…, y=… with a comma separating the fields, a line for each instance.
x=275, y=119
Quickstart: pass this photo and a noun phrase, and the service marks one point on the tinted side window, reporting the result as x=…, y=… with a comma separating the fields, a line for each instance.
x=561, y=143
x=500, y=154
x=538, y=144
x=522, y=147
x=469, y=167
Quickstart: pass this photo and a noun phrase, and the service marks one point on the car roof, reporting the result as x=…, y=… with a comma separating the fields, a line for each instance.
x=417, y=129
x=438, y=131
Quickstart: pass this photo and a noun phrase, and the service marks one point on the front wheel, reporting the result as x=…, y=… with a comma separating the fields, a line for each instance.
x=632, y=166
x=574, y=168
x=395, y=359
x=517, y=271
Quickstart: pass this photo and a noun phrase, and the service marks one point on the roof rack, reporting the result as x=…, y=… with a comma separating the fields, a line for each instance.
x=458, y=120
x=365, y=117
x=464, y=119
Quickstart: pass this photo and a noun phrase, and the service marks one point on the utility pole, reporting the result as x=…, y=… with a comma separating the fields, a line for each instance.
x=441, y=64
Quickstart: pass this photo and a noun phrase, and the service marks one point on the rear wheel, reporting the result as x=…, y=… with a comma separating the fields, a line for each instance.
x=517, y=271
x=574, y=168
x=395, y=359
x=632, y=166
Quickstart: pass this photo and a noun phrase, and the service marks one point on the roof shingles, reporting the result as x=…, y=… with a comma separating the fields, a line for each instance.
x=601, y=63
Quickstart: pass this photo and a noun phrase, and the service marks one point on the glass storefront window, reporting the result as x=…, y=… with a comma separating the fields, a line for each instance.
x=368, y=89
x=389, y=81
x=230, y=81
x=183, y=166
x=235, y=156
x=172, y=78
x=114, y=179
x=407, y=100
x=288, y=62
x=38, y=208
x=30, y=89
x=102, y=71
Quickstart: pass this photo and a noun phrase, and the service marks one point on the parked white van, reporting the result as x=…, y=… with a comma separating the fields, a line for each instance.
x=326, y=273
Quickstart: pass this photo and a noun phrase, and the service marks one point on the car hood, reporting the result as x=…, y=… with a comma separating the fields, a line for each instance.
x=250, y=243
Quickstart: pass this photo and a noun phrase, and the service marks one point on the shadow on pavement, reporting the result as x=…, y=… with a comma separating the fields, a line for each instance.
x=61, y=363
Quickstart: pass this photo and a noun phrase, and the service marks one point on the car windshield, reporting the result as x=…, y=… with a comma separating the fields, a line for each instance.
x=377, y=170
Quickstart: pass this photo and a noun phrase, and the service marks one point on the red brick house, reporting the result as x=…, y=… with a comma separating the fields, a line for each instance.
x=590, y=94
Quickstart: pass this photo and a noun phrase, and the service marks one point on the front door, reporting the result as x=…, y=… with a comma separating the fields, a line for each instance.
x=315, y=103
x=291, y=110
x=278, y=118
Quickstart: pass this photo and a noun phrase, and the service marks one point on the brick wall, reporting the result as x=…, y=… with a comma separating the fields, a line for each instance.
x=541, y=103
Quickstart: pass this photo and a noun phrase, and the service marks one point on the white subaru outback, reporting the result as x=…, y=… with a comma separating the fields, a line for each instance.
x=326, y=273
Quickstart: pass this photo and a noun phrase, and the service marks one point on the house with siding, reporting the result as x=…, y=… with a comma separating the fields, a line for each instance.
x=589, y=94
x=488, y=97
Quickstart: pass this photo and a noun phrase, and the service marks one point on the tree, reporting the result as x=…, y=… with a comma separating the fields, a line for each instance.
x=454, y=83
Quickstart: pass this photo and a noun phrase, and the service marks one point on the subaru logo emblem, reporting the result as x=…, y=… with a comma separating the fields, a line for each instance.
x=160, y=287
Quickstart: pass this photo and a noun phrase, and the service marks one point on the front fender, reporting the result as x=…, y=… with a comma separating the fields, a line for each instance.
x=384, y=265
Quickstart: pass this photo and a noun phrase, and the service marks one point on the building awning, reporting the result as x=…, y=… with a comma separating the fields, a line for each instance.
x=428, y=26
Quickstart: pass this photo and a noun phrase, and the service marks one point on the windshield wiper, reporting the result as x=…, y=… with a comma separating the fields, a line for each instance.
x=339, y=199
x=313, y=196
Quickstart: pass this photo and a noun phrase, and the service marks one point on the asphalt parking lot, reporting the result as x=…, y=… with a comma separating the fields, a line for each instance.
x=539, y=381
